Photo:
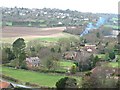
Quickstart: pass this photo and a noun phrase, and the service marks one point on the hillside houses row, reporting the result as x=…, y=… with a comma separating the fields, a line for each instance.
x=47, y=14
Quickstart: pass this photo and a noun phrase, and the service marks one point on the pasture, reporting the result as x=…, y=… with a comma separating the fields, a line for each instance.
x=43, y=79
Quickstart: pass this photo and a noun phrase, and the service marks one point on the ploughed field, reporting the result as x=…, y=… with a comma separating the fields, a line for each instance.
x=30, y=31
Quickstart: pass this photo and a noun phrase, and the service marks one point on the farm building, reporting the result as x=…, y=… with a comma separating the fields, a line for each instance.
x=33, y=62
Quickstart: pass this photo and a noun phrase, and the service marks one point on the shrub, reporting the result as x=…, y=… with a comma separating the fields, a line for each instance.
x=10, y=78
x=112, y=55
x=73, y=69
x=88, y=73
x=32, y=84
x=66, y=82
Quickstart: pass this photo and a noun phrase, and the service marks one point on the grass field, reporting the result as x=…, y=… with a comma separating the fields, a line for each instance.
x=113, y=26
x=50, y=39
x=42, y=79
x=113, y=64
x=66, y=63
x=101, y=55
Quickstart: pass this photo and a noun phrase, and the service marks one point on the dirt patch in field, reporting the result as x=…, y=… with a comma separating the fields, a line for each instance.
x=31, y=32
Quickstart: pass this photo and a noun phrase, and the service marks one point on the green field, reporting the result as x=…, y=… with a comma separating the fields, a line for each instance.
x=101, y=55
x=66, y=63
x=50, y=39
x=113, y=26
x=113, y=64
x=43, y=79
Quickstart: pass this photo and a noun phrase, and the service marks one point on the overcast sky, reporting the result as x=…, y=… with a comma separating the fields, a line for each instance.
x=99, y=6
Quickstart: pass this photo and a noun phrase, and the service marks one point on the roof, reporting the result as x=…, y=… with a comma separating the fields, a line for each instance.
x=89, y=50
x=31, y=59
x=4, y=84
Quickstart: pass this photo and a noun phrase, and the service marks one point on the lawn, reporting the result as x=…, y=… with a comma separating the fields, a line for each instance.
x=113, y=64
x=43, y=79
x=66, y=63
x=100, y=55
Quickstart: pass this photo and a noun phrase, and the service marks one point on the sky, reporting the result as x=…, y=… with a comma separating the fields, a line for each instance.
x=95, y=6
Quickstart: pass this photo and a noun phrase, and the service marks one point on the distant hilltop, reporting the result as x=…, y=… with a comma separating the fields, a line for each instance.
x=47, y=17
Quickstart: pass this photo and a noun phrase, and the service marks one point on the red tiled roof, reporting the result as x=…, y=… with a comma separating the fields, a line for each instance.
x=4, y=84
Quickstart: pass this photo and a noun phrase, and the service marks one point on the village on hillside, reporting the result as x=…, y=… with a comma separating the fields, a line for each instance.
x=58, y=49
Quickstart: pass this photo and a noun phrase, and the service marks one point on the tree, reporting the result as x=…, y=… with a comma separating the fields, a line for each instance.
x=84, y=61
x=99, y=78
x=52, y=50
x=44, y=52
x=107, y=57
x=112, y=55
x=64, y=43
x=32, y=52
x=73, y=69
x=51, y=62
x=98, y=35
x=7, y=55
x=19, y=50
x=4, y=57
x=59, y=50
x=65, y=83
x=94, y=60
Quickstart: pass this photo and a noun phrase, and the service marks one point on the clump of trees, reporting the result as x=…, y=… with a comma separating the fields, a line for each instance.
x=99, y=78
x=16, y=54
x=86, y=61
x=66, y=83
x=51, y=62
x=7, y=55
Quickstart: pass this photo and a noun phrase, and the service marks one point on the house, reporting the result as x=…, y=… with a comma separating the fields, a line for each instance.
x=70, y=55
x=4, y=84
x=33, y=61
x=90, y=48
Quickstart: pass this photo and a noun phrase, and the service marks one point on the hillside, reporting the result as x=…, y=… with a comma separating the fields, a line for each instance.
x=48, y=17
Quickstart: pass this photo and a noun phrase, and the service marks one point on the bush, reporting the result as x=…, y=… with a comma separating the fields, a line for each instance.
x=10, y=78
x=66, y=82
x=112, y=55
x=88, y=73
x=73, y=69
x=32, y=84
